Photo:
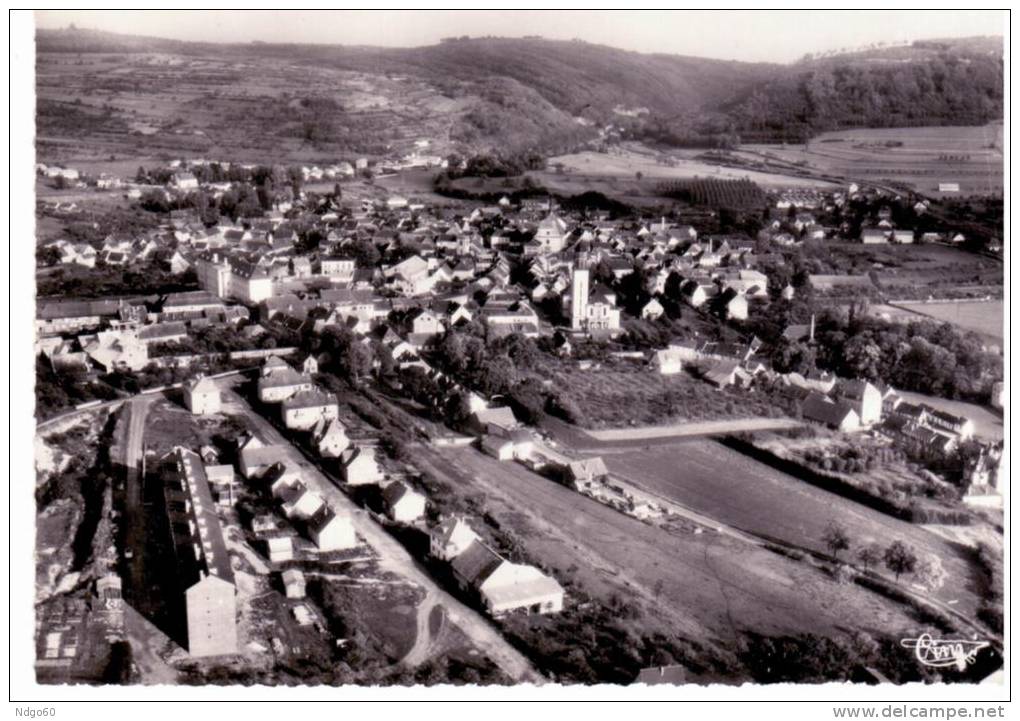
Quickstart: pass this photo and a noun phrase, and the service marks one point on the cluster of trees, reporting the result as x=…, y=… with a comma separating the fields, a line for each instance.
x=339, y=352
x=899, y=558
x=205, y=173
x=218, y=338
x=514, y=188
x=506, y=366
x=702, y=130
x=494, y=165
x=990, y=562
x=600, y=642
x=924, y=356
x=150, y=278
x=257, y=191
x=942, y=91
x=819, y=659
x=853, y=459
x=56, y=391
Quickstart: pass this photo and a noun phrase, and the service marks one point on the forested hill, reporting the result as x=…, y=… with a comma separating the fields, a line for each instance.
x=526, y=89
x=927, y=83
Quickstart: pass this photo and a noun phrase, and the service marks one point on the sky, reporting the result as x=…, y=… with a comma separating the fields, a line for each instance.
x=769, y=36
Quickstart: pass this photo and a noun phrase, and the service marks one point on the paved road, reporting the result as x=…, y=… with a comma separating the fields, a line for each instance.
x=694, y=428
x=135, y=533
x=392, y=555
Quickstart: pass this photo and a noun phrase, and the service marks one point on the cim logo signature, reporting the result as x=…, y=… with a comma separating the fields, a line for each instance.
x=944, y=653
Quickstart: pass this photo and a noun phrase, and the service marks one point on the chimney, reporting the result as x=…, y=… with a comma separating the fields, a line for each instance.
x=811, y=335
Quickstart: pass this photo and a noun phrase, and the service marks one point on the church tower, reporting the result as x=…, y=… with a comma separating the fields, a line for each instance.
x=579, y=294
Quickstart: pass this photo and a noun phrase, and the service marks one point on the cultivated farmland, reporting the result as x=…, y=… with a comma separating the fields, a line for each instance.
x=922, y=157
x=625, y=161
x=640, y=396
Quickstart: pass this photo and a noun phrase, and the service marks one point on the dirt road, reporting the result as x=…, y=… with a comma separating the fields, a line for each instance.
x=392, y=556
x=423, y=641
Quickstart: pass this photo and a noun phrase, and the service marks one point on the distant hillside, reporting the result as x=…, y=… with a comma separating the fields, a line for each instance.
x=574, y=76
x=958, y=82
x=513, y=94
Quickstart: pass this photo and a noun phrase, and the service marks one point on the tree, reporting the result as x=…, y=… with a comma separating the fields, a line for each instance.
x=862, y=357
x=900, y=558
x=456, y=410
x=835, y=539
x=357, y=361
x=869, y=555
x=155, y=201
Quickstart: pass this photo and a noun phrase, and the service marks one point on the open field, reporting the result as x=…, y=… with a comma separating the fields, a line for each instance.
x=721, y=483
x=982, y=317
x=626, y=161
x=921, y=157
x=703, y=586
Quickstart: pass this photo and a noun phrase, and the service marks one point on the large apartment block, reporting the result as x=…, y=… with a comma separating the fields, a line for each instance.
x=203, y=566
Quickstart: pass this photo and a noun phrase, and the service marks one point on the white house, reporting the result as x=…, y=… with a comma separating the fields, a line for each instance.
x=305, y=409
x=451, y=538
x=403, y=504
x=280, y=548
x=652, y=310
x=202, y=396
x=668, y=361
x=330, y=438
x=294, y=583
x=863, y=397
x=505, y=587
x=297, y=501
x=282, y=384
x=331, y=532
x=359, y=466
